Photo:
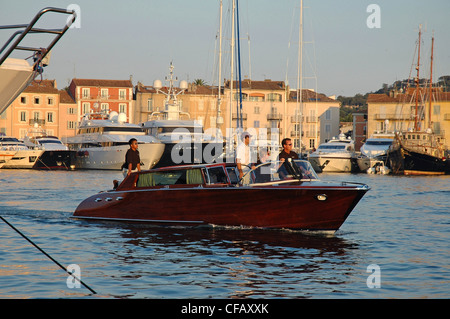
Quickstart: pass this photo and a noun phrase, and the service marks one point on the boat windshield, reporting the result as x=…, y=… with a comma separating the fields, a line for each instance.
x=279, y=171
x=379, y=143
x=50, y=142
x=171, y=177
x=331, y=147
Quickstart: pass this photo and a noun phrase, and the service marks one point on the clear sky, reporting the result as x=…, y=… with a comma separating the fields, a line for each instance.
x=342, y=55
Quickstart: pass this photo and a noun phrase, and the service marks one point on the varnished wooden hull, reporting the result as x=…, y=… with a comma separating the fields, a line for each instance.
x=306, y=206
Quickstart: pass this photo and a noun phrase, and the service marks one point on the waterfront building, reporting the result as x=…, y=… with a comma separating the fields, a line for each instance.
x=36, y=106
x=319, y=118
x=68, y=114
x=396, y=112
x=267, y=105
x=96, y=95
x=273, y=105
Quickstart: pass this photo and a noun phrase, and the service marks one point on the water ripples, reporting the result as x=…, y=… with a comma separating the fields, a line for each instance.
x=402, y=225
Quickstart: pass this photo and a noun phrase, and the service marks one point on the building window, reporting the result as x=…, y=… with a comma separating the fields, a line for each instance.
x=37, y=100
x=436, y=109
x=237, y=98
x=71, y=110
x=104, y=93
x=149, y=105
x=122, y=108
x=256, y=124
x=50, y=101
x=256, y=97
x=104, y=106
x=256, y=110
x=36, y=115
x=86, y=93
x=86, y=108
x=274, y=97
x=71, y=125
x=23, y=116
x=50, y=117
x=122, y=94
x=436, y=127
x=23, y=100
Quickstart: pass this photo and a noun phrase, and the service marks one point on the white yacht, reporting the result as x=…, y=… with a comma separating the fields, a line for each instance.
x=15, y=154
x=373, y=158
x=185, y=142
x=184, y=139
x=102, y=142
x=56, y=155
x=337, y=155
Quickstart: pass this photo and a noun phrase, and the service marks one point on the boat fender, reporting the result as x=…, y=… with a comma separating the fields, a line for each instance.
x=321, y=197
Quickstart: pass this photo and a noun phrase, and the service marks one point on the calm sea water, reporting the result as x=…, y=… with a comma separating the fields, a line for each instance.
x=400, y=230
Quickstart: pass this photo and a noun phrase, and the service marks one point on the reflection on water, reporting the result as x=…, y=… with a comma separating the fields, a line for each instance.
x=402, y=225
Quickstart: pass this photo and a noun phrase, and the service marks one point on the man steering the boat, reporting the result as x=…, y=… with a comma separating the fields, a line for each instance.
x=287, y=151
x=245, y=159
x=132, y=159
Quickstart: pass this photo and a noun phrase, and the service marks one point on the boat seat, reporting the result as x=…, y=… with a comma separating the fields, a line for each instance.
x=15, y=76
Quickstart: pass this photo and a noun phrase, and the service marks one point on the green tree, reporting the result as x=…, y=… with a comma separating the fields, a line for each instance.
x=199, y=82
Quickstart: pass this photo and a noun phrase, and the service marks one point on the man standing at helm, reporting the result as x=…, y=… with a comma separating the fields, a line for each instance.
x=244, y=158
x=132, y=159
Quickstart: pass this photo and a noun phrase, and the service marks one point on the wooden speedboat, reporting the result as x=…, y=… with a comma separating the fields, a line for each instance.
x=280, y=195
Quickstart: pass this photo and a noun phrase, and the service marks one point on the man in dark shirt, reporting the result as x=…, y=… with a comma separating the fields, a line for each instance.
x=287, y=150
x=132, y=158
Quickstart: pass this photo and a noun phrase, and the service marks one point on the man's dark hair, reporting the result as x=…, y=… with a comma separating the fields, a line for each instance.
x=131, y=141
x=284, y=141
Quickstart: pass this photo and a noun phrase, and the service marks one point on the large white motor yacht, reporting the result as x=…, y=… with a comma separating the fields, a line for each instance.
x=374, y=153
x=337, y=155
x=102, y=142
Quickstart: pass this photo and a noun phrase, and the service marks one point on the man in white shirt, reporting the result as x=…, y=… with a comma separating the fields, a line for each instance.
x=244, y=158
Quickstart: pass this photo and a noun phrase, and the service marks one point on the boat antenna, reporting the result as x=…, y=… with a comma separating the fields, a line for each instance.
x=431, y=83
x=50, y=257
x=239, y=65
x=300, y=77
x=417, y=80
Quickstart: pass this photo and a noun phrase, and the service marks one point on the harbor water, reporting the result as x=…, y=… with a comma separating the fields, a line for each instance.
x=395, y=244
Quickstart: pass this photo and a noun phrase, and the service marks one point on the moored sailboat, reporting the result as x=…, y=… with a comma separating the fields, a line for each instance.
x=419, y=151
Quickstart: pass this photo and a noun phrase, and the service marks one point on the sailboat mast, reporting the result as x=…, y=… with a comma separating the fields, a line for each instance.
x=416, y=117
x=219, y=119
x=232, y=64
x=431, y=83
x=239, y=109
x=300, y=77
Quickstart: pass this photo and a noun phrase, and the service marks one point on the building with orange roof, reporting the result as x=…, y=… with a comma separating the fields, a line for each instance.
x=398, y=112
x=36, y=106
x=96, y=95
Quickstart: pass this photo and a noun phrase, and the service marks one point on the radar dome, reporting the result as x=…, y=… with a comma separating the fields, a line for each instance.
x=122, y=118
x=113, y=115
x=183, y=85
x=157, y=84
